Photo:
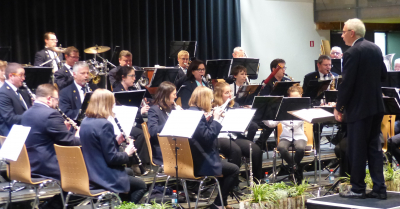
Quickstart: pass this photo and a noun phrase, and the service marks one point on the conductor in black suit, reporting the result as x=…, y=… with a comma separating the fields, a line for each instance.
x=65, y=77
x=48, y=52
x=360, y=98
x=47, y=128
x=324, y=64
x=13, y=101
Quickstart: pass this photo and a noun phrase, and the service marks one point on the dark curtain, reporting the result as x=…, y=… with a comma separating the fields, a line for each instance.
x=144, y=27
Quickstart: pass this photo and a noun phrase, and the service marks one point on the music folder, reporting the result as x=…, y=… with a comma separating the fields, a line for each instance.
x=14, y=142
x=331, y=95
x=246, y=93
x=391, y=92
x=281, y=87
x=291, y=104
x=126, y=116
x=316, y=88
x=267, y=107
x=182, y=123
x=237, y=120
x=129, y=98
x=392, y=106
x=84, y=106
x=219, y=69
x=177, y=46
x=163, y=74
x=251, y=64
x=34, y=76
x=313, y=115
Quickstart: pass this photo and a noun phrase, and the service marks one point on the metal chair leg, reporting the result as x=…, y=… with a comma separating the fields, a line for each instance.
x=92, y=204
x=274, y=166
x=212, y=192
x=152, y=185
x=186, y=192
x=220, y=194
x=165, y=189
x=61, y=192
x=198, y=192
x=66, y=200
x=36, y=201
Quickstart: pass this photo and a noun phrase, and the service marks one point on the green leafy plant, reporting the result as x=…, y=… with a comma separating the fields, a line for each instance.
x=154, y=205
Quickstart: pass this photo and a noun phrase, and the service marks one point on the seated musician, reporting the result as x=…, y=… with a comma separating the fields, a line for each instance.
x=279, y=76
x=47, y=129
x=72, y=96
x=336, y=53
x=13, y=101
x=183, y=64
x=3, y=65
x=105, y=164
x=238, y=147
x=324, y=65
x=64, y=77
x=158, y=114
x=195, y=72
x=204, y=145
x=125, y=79
x=298, y=138
x=239, y=72
x=125, y=59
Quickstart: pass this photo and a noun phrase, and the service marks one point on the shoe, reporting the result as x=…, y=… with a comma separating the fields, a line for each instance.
x=351, y=194
x=136, y=170
x=381, y=196
x=228, y=207
x=237, y=191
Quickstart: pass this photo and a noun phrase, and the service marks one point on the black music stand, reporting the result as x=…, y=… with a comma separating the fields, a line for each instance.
x=85, y=104
x=392, y=106
x=163, y=74
x=219, y=69
x=245, y=94
x=34, y=76
x=281, y=88
x=138, y=75
x=330, y=95
x=316, y=88
x=267, y=107
x=129, y=98
x=251, y=64
x=177, y=46
x=392, y=79
x=391, y=92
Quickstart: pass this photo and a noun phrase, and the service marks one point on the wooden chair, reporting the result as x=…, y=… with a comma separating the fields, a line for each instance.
x=75, y=178
x=20, y=171
x=159, y=172
x=185, y=165
x=179, y=101
x=387, y=128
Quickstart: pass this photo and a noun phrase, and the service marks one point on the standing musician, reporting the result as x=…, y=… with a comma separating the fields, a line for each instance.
x=13, y=101
x=72, y=96
x=158, y=114
x=47, y=53
x=183, y=64
x=279, y=76
x=194, y=78
x=65, y=77
x=3, y=65
x=100, y=150
x=125, y=79
x=240, y=146
x=125, y=59
x=287, y=137
x=360, y=97
x=47, y=128
x=204, y=145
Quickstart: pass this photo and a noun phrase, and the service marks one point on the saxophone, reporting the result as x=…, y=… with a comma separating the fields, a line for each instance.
x=333, y=83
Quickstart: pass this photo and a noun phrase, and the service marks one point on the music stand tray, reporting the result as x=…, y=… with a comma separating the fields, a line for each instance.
x=177, y=46
x=219, y=69
x=34, y=76
x=267, y=107
x=163, y=74
x=251, y=64
x=281, y=88
x=129, y=98
x=245, y=94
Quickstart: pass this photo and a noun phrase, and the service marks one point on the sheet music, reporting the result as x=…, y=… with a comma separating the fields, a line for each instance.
x=15, y=141
x=237, y=120
x=182, y=123
x=116, y=129
x=310, y=114
x=126, y=116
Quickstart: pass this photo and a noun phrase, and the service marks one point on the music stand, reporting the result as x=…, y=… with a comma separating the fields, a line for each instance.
x=392, y=106
x=129, y=98
x=163, y=74
x=330, y=95
x=245, y=94
x=316, y=88
x=219, y=69
x=85, y=104
x=391, y=92
x=281, y=88
x=177, y=46
x=292, y=104
x=267, y=107
x=138, y=75
x=392, y=79
x=251, y=64
x=34, y=76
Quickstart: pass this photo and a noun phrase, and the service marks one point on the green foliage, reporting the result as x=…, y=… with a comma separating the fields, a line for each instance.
x=131, y=205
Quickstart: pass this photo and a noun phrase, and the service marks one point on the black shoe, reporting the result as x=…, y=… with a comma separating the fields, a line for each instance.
x=381, y=196
x=351, y=194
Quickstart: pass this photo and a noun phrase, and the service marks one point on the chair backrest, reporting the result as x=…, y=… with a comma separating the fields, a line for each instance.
x=74, y=175
x=146, y=134
x=179, y=101
x=20, y=170
x=387, y=128
x=185, y=160
x=308, y=131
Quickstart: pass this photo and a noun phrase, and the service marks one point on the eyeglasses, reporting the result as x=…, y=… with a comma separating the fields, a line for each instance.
x=201, y=69
x=74, y=57
x=343, y=32
x=54, y=39
x=18, y=75
x=327, y=65
x=284, y=68
x=336, y=53
x=56, y=98
x=130, y=75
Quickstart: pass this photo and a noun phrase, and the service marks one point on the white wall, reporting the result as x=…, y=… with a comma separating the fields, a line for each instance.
x=281, y=29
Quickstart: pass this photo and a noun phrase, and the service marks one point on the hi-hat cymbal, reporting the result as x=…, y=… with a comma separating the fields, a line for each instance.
x=96, y=49
x=57, y=49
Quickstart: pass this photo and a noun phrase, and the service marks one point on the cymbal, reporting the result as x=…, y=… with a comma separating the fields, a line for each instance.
x=96, y=49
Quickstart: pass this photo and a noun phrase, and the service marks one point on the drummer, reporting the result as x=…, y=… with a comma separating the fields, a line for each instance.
x=125, y=59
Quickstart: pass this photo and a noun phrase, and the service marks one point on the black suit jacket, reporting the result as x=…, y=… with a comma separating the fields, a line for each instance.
x=70, y=101
x=360, y=93
x=113, y=72
x=204, y=147
x=47, y=129
x=157, y=118
x=42, y=56
x=11, y=108
x=186, y=91
x=63, y=78
x=103, y=161
x=270, y=85
x=312, y=77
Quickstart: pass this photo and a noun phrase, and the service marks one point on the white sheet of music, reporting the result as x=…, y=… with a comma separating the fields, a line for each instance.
x=126, y=117
x=237, y=120
x=310, y=114
x=15, y=141
x=182, y=123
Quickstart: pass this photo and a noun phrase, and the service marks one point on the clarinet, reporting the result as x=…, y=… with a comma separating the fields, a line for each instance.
x=129, y=140
x=69, y=120
x=29, y=91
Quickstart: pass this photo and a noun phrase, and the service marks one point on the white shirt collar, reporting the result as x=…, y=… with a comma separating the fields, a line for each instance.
x=321, y=76
x=66, y=65
x=42, y=103
x=355, y=42
x=79, y=87
x=12, y=86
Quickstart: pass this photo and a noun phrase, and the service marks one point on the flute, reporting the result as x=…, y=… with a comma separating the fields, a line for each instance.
x=127, y=138
x=33, y=97
x=69, y=120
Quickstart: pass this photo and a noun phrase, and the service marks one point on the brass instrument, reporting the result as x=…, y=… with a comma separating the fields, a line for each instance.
x=290, y=77
x=128, y=139
x=94, y=73
x=333, y=83
x=69, y=120
x=33, y=97
x=207, y=79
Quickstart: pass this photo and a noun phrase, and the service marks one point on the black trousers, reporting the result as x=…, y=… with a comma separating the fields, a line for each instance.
x=340, y=151
x=364, y=144
x=230, y=173
x=136, y=192
x=299, y=146
x=141, y=146
x=393, y=147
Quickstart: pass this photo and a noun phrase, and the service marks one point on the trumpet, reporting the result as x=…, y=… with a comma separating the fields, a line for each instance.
x=33, y=97
x=128, y=139
x=69, y=120
x=207, y=80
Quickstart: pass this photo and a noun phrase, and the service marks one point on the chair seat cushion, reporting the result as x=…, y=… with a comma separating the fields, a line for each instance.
x=96, y=192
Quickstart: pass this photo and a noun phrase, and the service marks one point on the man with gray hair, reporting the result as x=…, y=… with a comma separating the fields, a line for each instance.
x=360, y=97
x=72, y=96
x=336, y=53
x=238, y=52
